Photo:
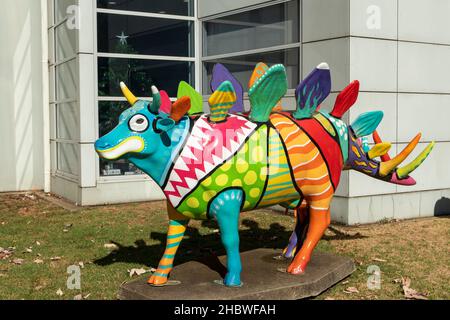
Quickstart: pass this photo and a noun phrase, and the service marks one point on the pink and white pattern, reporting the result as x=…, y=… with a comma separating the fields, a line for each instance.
x=208, y=146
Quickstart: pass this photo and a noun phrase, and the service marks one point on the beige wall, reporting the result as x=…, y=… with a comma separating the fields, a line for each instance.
x=21, y=118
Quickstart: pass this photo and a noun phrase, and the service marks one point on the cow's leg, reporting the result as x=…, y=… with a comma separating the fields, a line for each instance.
x=177, y=228
x=319, y=221
x=226, y=208
x=298, y=235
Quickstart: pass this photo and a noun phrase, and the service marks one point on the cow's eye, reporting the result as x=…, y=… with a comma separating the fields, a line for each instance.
x=138, y=123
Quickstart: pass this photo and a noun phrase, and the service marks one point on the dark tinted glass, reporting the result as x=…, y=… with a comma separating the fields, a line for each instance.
x=242, y=66
x=141, y=35
x=140, y=75
x=261, y=28
x=178, y=7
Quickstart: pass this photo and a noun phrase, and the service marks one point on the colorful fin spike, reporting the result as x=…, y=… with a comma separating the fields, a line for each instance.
x=389, y=166
x=260, y=70
x=346, y=99
x=313, y=91
x=221, y=74
x=221, y=101
x=166, y=103
x=180, y=108
x=377, y=139
x=185, y=90
x=403, y=172
x=379, y=150
x=367, y=123
x=266, y=92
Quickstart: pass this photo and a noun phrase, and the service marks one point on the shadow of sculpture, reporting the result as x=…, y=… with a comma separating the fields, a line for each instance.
x=442, y=207
x=197, y=247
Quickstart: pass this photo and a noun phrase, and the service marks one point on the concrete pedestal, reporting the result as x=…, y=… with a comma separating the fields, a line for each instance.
x=261, y=276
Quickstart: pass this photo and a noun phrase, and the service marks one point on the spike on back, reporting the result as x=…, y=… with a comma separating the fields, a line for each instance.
x=266, y=92
x=180, y=108
x=221, y=102
x=260, y=70
x=313, y=91
x=166, y=104
x=221, y=74
x=346, y=99
x=185, y=90
x=367, y=123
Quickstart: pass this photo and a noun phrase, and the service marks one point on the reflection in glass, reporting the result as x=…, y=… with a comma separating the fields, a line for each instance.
x=242, y=66
x=67, y=121
x=142, y=35
x=261, y=28
x=68, y=158
x=177, y=7
x=140, y=75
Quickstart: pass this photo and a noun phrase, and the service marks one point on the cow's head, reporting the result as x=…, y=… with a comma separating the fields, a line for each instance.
x=145, y=135
x=362, y=158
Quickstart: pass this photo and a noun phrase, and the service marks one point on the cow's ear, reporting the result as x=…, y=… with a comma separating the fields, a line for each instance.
x=165, y=124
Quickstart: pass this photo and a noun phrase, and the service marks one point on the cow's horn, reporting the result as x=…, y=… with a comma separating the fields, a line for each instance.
x=128, y=94
x=156, y=103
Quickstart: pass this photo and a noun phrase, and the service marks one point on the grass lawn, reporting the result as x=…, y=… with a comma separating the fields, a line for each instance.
x=40, y=231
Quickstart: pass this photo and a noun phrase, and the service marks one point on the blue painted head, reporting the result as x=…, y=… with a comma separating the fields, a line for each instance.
x=145, y=136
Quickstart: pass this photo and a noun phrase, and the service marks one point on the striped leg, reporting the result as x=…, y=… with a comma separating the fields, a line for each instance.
x=298, y=235
x=177, y=228
x=318, y=223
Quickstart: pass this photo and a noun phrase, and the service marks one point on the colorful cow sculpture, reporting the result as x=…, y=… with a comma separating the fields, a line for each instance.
x=218, y=165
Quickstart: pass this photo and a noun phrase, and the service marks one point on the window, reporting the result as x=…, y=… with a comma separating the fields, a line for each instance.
x=142, y=43
x=64, y=79
x=239, y=41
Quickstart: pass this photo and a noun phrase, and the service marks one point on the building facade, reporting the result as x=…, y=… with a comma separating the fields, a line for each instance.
x=63, y=61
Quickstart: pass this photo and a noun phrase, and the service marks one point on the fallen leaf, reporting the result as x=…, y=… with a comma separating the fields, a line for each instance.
x=5, y=254
x=18, y=261
x=59, y=293
x=411, y=293
x=78, y=297
x=137, y=272
x=111, y=246
x=346, y=282
x=38, y=261
x=28, y=250
x=38, y=243
x=81, y=264
x=378, y=260
x=351, y=290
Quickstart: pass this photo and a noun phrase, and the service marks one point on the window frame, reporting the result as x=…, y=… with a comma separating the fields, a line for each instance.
x=54, y=101
x=195, y=59
x=206, y=59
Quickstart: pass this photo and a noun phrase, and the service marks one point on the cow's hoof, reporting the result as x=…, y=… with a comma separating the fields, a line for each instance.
x=157, y=281
x=297, y=268
x=232, y=280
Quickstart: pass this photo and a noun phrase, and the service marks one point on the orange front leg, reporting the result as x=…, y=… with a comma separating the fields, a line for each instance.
x=318, y=223
x=177, y=227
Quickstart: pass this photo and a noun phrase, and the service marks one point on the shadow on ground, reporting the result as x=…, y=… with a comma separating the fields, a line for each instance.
x=207, y=248
x=197, y=247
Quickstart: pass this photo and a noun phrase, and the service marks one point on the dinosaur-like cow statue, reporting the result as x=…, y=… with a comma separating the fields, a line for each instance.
x=214, y=166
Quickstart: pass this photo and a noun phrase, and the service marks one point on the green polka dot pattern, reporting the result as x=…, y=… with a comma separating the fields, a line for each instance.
x=246, y=170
